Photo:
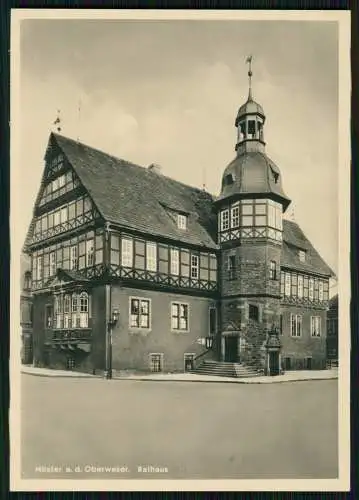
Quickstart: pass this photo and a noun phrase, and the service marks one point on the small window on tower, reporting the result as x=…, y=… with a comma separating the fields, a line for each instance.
x=253, y=312
x=275, y=175
x=228, y=180
x=251, y=129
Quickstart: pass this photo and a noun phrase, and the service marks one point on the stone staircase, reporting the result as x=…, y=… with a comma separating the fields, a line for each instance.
x=225, y=369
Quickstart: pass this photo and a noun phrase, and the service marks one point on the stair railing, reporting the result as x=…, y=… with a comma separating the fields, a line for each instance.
x=200, y=357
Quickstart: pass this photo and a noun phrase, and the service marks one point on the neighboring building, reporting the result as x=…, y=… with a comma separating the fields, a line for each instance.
x=172, y=265
x=332, y=329
x=26, y=310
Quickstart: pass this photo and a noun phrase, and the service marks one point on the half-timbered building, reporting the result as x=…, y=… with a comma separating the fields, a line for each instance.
x=133, y=270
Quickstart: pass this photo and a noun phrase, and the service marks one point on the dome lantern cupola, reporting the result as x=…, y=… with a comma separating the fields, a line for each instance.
x=250, y=121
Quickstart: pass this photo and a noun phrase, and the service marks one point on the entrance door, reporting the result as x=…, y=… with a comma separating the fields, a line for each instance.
x=231, y=349
x=309, y=363
x=274, y=363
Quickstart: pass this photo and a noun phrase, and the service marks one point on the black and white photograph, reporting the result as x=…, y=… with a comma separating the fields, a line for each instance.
x=180, y=250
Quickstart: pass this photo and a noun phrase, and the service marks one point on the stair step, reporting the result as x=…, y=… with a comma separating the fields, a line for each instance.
x=226, y=369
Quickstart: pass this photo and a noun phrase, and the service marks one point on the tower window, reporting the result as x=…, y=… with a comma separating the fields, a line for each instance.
x=231, y=267
x=251, y=129
x=224, y=220
x=273, y=270
x=228, y=180
x=253, y=312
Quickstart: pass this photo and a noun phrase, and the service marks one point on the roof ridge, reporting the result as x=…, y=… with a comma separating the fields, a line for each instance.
x=130, y=163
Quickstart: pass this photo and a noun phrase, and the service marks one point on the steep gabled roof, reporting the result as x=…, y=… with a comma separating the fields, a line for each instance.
x=293, y=240
x=137, y=198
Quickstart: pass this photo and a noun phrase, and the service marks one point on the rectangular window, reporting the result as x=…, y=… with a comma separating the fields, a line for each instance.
x=151, y=256
x=321, y=290
x=315, y=326
x=189, y=361
x=224, y=220
x=235, y=216
x=156, y=362
x=179, y=316
x=194, y=266
x=139, y=313
x=89, y=253
x=311, y=288
x=73, y=257
x=57, y=218
x=127, y=252
x=296, y=325
x=301, y=255
x=287, y=285
x=278, y=217
x=40, y=270
x=181, y=221
x=273, y=270
x=271, y=216
x=140, y=254
x=300, y=287
x=231, y=267
x=174, y=261
x=52, y=263
x=63, y=214
x=48, y=316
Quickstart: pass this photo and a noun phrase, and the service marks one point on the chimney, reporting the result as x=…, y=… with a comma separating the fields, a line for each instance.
x=155, y=168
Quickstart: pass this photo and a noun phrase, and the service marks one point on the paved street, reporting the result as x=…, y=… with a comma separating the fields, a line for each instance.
x=195, y=430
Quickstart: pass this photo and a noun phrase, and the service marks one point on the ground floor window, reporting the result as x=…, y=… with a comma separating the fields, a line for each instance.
x=156, y=362
x=315, y=326
x=296, y=325
x=139, y=312
x=189, y=361
x=70, y=363
x=179, y=316
x=72, y=310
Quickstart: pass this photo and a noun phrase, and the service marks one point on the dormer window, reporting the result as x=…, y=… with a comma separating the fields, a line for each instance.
x=275, y=175
x=301, y=255
x=228, y=180
x=181, y=221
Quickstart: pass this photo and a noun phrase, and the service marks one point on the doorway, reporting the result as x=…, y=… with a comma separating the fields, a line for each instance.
x=274, y=363
x=231, y=349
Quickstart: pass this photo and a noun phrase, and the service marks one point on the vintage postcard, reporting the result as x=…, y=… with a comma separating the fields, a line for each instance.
x=180, y=250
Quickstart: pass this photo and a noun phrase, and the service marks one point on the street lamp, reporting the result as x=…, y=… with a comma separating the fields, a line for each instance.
x=209, y=342
x=115, y=316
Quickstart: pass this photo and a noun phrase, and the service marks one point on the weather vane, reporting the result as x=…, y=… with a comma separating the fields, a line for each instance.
x=249, y=62
x=58, y=121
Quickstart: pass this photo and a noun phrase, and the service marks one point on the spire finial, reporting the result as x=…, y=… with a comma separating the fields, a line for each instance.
x=249, y=62
x=58, y=121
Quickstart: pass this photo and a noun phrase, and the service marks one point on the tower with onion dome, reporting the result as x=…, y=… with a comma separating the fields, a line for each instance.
x=250, y=208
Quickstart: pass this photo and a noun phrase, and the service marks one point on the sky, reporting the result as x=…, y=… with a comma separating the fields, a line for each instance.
x=167, y=92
